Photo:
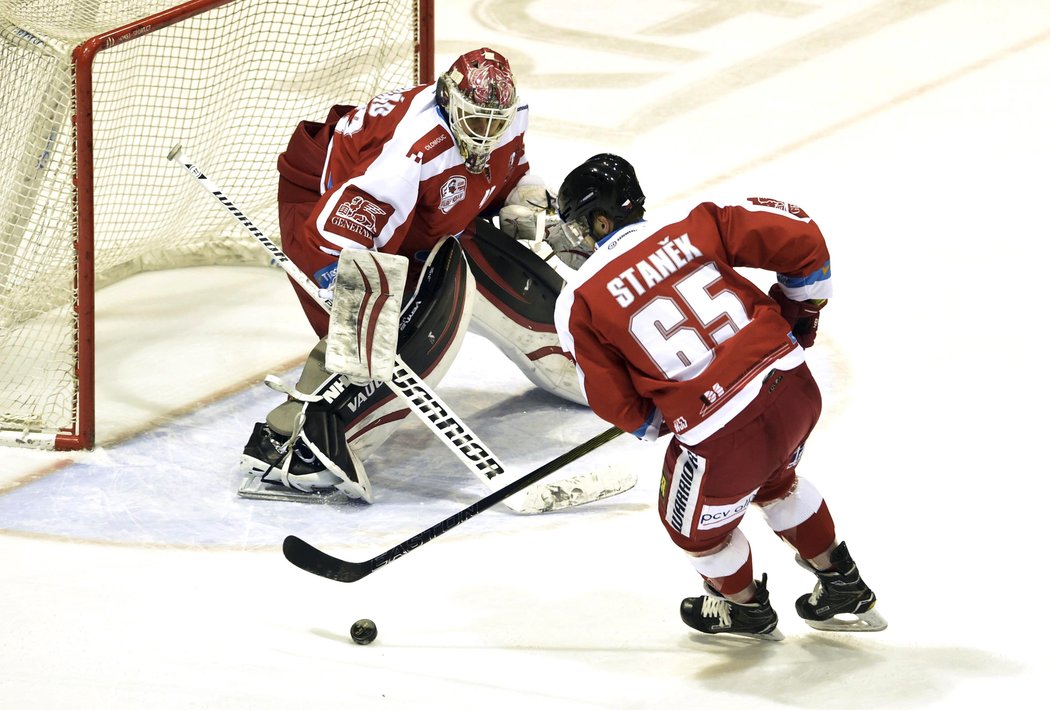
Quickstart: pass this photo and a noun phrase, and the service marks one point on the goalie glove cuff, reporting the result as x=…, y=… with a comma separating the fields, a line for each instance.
x=528, y=209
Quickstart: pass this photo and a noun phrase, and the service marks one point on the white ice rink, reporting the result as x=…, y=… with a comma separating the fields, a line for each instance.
x=915, y=133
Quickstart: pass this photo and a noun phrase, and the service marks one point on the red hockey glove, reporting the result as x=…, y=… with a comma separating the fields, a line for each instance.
x=802, y=316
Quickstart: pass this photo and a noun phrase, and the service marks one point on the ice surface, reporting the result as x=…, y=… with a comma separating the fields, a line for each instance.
x=914, y=133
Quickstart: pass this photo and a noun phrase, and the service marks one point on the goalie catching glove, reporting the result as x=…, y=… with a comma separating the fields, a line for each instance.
x=802, y=316
x=530, y=215
x=528, y=210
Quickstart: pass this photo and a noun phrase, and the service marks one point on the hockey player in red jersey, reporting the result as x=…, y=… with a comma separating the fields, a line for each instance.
x=401, y=188
x=668, y=336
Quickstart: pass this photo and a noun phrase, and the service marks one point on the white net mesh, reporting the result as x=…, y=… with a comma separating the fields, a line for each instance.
x=229, y=84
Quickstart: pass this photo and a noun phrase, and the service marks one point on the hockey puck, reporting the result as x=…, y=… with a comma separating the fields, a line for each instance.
x=363, y=632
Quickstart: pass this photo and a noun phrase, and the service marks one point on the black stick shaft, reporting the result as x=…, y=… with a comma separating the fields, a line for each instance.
x=307, y=557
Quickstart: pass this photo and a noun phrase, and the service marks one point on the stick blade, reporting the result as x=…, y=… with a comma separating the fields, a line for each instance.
x=573, y=491
x=308, y=558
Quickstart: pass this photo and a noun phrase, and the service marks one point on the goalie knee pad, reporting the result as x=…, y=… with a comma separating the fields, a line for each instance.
x=515, y=311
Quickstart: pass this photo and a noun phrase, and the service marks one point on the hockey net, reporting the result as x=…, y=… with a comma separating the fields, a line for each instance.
x=95, y=93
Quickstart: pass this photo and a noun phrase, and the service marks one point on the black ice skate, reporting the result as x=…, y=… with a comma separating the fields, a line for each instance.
x=267, y=450
x=715, y=614
x=841, y=601
x=277, y=470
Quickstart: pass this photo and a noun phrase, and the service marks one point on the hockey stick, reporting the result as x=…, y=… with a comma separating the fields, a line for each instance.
x=307, y=557
x=422, y=400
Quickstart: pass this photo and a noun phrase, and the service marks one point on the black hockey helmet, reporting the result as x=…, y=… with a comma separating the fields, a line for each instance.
x=603, y=184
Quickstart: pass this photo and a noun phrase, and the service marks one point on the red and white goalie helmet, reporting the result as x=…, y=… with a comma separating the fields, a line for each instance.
x=478, y=97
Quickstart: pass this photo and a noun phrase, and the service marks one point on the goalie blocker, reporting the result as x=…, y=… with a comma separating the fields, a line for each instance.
x=318, y=439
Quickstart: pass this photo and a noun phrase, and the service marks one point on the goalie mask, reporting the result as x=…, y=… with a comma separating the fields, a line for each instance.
x=478, y=99
x=606, y=185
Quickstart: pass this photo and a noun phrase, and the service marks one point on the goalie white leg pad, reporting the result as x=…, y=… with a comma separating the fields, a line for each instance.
x=366, y=306
x=517, y=292
x=538, y=355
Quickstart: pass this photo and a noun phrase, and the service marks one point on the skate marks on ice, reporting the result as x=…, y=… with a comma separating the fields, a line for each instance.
x=177, y=485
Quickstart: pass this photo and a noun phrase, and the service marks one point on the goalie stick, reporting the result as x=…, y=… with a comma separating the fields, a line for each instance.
x=425, y=403
x=307, y=557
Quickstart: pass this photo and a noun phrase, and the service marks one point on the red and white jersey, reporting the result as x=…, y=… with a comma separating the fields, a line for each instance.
x=664, y=329
x=394, y=181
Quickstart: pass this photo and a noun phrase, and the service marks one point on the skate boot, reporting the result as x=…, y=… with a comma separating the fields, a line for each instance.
x=839, y=591
x=267, y=450
x=271, y=461
x=715, y=614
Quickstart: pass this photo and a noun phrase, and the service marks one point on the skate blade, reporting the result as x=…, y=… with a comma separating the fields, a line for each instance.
x=255, y=488
x=870, y=620
x=774, y=635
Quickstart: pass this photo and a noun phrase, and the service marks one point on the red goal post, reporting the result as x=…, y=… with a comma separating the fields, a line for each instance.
x=95, y=93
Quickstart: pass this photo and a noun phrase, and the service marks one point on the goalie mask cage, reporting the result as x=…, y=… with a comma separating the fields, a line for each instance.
x=94, y=94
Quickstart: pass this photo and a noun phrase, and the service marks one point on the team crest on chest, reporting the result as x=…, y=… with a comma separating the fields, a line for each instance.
x=453, y=192
x=358, y=217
